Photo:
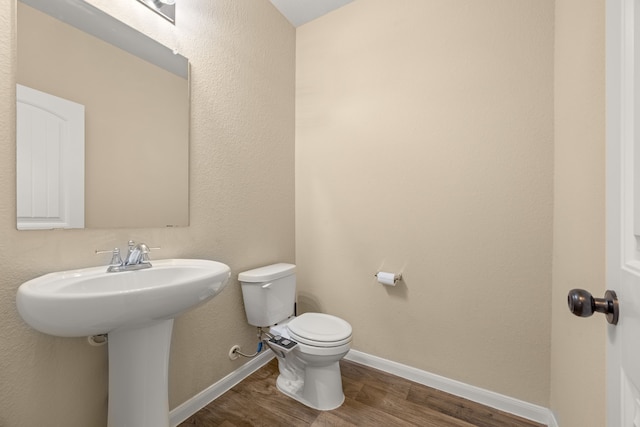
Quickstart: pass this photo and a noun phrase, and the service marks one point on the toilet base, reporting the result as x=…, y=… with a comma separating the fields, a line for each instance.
x=316, y=387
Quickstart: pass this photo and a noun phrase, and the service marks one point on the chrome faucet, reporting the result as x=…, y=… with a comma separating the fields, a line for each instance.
x=137, y=258
x=138, y=254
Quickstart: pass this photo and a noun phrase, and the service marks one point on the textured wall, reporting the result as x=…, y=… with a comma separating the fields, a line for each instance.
x=424, y=137
x=241, y=200
x=578, y=345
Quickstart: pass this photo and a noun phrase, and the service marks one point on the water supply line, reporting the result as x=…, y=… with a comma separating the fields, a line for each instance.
x=236, y=349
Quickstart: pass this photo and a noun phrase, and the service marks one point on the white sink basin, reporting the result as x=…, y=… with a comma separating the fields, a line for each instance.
x=136, y=309
x=91, y=301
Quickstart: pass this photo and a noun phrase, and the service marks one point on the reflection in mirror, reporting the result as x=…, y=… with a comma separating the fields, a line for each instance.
x=49, y=134
x=136, y=107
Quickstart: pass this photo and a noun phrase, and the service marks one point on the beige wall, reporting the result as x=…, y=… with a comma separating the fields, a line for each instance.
x=424, y=135
x=242, y=209
x=578, y=345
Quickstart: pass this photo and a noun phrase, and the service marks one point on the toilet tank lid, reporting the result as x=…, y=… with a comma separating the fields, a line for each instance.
x=267, y=273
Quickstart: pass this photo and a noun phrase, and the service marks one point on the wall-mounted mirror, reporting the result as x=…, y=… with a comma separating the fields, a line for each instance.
x=135, y=94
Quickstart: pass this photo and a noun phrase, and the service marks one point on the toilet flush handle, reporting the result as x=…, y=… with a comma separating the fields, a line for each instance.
x=267, y=285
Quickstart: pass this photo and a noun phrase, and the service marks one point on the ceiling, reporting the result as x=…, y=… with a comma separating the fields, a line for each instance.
x=299, y=12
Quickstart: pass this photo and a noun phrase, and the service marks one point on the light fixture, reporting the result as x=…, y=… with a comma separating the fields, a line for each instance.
x=164, y=8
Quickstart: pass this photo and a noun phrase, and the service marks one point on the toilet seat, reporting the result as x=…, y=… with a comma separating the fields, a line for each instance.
x=320, y=330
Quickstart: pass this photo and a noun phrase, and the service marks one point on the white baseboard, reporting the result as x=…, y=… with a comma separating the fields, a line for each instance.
x=202, y=399
x=485, y=397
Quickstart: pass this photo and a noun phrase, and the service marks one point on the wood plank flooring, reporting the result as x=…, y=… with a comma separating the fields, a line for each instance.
x=372, y=398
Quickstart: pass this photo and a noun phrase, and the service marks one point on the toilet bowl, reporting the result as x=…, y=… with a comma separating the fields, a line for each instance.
x=310, y=372
x=309, y=347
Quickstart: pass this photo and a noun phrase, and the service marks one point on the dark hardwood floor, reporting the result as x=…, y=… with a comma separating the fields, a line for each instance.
x=372, y=398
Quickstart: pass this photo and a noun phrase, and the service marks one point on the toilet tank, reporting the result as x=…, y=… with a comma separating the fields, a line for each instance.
x=269, y=293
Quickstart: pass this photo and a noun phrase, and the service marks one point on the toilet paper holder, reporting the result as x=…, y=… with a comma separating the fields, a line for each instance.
x=385, y=277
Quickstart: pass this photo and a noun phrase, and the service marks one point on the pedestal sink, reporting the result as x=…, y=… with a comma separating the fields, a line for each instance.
x=136, y=309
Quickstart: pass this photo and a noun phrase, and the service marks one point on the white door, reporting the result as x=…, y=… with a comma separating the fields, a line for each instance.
x=623, y=210
x=49, y=161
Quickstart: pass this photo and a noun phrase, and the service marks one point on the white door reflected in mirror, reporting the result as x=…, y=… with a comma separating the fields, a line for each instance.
x=50, y=161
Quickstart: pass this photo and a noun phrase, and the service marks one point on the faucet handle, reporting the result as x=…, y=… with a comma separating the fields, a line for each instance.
x=143, y=252
x=132, y=244
x=115, y=256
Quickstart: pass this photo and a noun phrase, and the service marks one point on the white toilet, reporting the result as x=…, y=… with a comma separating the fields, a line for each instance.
x=308, y=347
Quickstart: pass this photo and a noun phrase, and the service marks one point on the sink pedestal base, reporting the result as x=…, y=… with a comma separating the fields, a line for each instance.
x=139, y=375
